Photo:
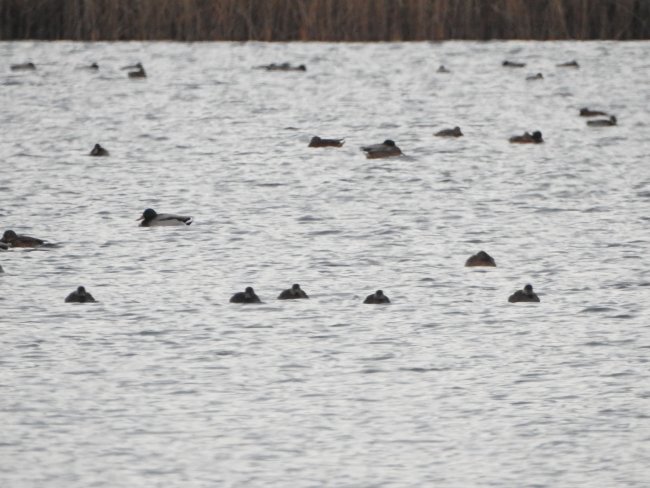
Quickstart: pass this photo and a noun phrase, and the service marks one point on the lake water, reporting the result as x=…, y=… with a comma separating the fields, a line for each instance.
x=163, y=383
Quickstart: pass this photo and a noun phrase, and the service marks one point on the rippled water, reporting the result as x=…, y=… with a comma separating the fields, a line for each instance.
x=164, y=383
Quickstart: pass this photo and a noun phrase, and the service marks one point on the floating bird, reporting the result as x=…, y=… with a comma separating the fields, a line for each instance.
x=282, y=67
x=23, y=67
x=319, y=142
x=93, y=66
x=602, y=122
x=14, y=240
x=455, y=132
x=80, y=295
x=481, y=258
x=377, y=297
x=152, y=219
x=98, y=151
x=292, y=293
x=247, y=296
x=525, y=295
x=512, y=64
x=526, y=138
x=568, y=64
x=386, y=149
x=139, y=71
x=585, y=112
x=538, y=76
x=442, y=69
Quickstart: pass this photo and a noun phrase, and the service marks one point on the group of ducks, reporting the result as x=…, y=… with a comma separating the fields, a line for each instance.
x=151, y=218
x=135, y=70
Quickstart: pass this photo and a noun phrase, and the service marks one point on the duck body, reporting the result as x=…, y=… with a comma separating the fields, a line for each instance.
x=602, y=122
x=293, y=293
x=526, y=138
x=283, y=67
x=23, y=67
x=538, y=76
x=568, y=64
x=99, y=151
x=150, y=218
x=247, y=296
x=80, y=295
x=15, y=240
x=140, y=73
x=443, y=69
x=377, y=297
x=481, y=258
x=525, y=295
x=585, y=112
x=455, y=132
x=386, y=149
x=512, y=64
x=320, y=142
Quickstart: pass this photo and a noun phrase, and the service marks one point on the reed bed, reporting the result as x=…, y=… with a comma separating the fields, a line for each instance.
x=323, y=20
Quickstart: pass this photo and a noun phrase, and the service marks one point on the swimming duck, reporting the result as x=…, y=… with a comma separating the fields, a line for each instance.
x=526, y=138
x=93, y=66
x=98, y=151
x=568, y=64
x=15, y=240
x=138, y=74
x=538, y=76
x=80, y=295
x=132, y=67
x=283, y=67
x=442, y=69
x=602, y=122
x=294, y=292
x=247, y=296
x=585, y=112
x=386, y=149
x=319, y=142
x=455, y=132
x=512, y=64
x=23, y=67
x=525, y=295
x=377, y=297
x=150, y=218
x=481, y=258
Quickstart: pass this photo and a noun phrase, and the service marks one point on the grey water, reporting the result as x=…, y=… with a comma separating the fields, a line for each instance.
x=164, y=383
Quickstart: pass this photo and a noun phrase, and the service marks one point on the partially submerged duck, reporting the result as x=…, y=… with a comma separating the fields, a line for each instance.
x=150, y=218
x=80, y=295
x=377, y=297
x=98, y=151
x=526, y=138
x=513, y=64
x=320, y=142
x=585, y=112
x=525, y=295
x=455, y=132
x=137, y=71
x=538, y=76
x=442, y=69
x=602, y=122
x=92, y=66
x=283, y=67
x=568, y=64
x=294, y=292
x=15, y=240
x=481, y=258
x=247, y=296
x=23, y=67
x=386, y=149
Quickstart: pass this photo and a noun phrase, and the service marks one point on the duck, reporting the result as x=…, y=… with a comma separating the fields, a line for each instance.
x=99, y=151
x=377, y=297
x=386, y=149
x=150, y=218
x=320, y=142
x=602, y=122
x=455, y=132
x=247, y=296
x=481, y=258
x=442, y=69
x=292, y=293
x=585, y=112
x=283, y=67
x=538, y=76
x=132, y=67
x=138, y=74
x=92, y=66
x=568, y=64
x=513, y=64
x=23, y=67
x=525, y=295
x=526, y=138
x=14, y=240
x=80, y=295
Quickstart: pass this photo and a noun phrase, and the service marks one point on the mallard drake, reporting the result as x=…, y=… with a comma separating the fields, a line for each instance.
x=386, y=149
x=525, y=295
x=150, y=218
x=247, y=296
x=377, y=297
x=80, y=295
x=292, y=293
x=481, y=258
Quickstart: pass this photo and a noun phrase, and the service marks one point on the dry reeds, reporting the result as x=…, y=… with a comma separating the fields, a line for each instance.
x=324, y=20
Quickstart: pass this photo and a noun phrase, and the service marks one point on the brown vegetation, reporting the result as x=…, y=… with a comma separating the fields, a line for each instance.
x=323, y=20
